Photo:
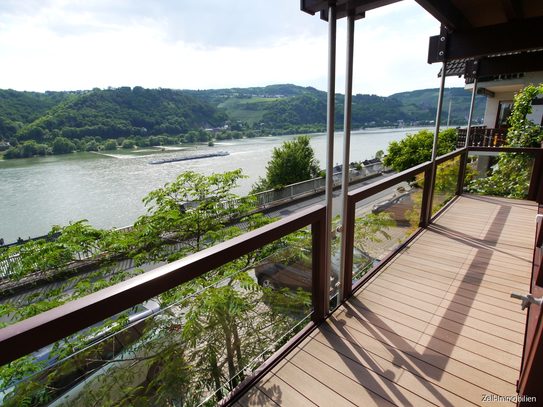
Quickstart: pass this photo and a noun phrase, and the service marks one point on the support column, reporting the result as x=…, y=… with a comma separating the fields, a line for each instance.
x=471, y=108
x=429, y=183
x=332, y=29
x=346, y=257
x=464, y=157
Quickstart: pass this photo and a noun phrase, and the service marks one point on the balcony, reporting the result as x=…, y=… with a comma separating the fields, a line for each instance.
x=431, y=323
x=480, y=136
x=435, y=326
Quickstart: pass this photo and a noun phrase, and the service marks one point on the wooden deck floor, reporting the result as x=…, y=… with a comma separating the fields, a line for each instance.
x=435, y=327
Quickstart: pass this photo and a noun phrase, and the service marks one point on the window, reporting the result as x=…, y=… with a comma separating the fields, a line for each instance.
x=504, y=111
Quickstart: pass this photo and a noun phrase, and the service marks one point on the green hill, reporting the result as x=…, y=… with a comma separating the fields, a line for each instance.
x=18, y=109
x=122, y=112
x=287, y=105
x=125, y=112
x=461, y=100
x=250, y=105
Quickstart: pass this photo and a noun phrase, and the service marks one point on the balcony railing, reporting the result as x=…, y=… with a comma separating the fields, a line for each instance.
x=31, y=335
x=480, y=136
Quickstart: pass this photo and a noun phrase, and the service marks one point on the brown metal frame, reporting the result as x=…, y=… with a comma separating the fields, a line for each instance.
x=353, y=198
x=535, y=193
x=529, y=383
x=48, y=327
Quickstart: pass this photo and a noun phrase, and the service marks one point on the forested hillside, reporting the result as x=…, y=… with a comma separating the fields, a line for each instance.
x=291, y=107
x=18, y=109
x=62, y=122
x=461, y=100
x=122, y=112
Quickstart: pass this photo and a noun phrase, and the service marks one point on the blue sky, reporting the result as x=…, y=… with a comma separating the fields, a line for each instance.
x=207, y=44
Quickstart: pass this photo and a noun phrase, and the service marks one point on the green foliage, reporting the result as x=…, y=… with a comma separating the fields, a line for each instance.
x=293, y=162
x=62, y=145
x=92, y=146
x=212, y=330
x=123, y=112
x=427, y=99
x=26, y=150
x=372, y=228
x=187, y=210
x=416, y=149
x=129, y=144
x=511, y=175
x=110, y=145
x=298, y=110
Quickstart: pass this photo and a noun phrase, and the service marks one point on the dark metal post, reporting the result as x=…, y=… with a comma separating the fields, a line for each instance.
x=535, y=190
x=471, y=108
x=321, y=283
x=429, y=183
x=464, y=156
x=347, y=221
x=332, y=28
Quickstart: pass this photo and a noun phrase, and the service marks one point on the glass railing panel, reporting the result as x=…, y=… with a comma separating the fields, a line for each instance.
x=383, y=221
x=445, y=183
x=100, y=365
x=503, y=174
x=190, y=346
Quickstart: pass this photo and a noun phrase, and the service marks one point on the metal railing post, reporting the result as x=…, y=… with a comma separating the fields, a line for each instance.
x=535, y=191
x=429, y=189
x=462, y=172
x=321, y=283
x=345, y=221
x=332, y=31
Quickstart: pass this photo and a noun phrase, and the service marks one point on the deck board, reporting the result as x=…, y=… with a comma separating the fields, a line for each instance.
x=436, y=326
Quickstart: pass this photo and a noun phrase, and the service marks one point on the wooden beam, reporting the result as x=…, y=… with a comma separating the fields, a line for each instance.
x=514, y=36
x=511, y=64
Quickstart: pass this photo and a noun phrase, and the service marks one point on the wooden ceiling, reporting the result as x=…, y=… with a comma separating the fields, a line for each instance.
x=469, y=14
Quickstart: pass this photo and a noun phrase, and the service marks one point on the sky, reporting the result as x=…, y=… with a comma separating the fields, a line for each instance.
x=62, y=45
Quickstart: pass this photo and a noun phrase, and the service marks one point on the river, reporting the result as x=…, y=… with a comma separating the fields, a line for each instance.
x=107, y=188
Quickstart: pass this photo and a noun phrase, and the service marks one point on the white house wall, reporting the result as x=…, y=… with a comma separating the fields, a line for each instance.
x=505, y=90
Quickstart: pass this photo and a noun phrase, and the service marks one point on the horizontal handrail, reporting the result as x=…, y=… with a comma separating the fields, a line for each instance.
x=368, y=190
x=527, y=150
x=30, y=335
x=448, y=156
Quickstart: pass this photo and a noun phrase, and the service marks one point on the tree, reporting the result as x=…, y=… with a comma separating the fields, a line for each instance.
x=293, y=162
x=92, y=146
x=62, y=145
x=129, y=143
x=416, y=149
x=191, y=137
x=186, y=210
x=29, y=149
x=511, y=175
x=111, y=144
x=216, y=324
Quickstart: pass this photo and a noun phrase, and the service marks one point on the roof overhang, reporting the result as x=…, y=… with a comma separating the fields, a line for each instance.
x=357, y=8
x=498, y=34
x=505, y=38
x=491, y=37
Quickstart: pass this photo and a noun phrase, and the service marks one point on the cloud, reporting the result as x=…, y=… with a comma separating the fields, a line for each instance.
x=67, y=45
x=206, y=23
